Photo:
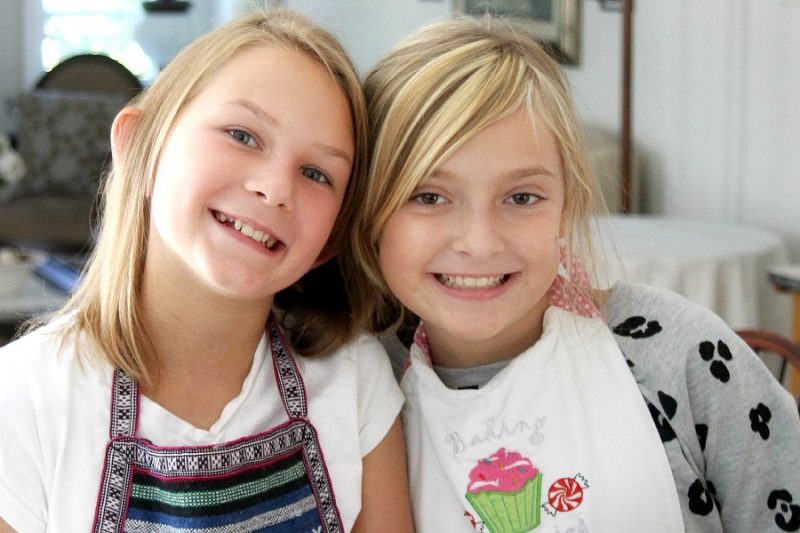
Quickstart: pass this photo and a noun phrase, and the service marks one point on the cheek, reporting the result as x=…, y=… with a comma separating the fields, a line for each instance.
x=320, y=216
x=387, y=251
x=394, y=251
x=542, y=250
x=398, y=273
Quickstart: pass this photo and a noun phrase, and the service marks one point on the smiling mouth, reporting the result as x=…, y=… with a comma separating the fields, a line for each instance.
x=266, y=240
x=471, y=282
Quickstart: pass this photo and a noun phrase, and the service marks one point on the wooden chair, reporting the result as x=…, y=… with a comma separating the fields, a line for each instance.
x=762, y=341
x=91, y=72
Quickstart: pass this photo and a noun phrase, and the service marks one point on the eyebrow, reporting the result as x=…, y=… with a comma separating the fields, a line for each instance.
x=263, y=116
x=523, y=172
x=256, y=110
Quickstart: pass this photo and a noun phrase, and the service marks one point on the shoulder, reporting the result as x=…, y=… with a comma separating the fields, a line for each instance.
x=361, y=359
x=667, y=338
x=627, y=301
x=363, y=349
x=356, y=381
x=648, y=322
x=35, y=353
x=45, y=364
x=689, y=365
x=640, y=315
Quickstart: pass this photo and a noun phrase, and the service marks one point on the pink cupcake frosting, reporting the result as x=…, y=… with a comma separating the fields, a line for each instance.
x=502, y=471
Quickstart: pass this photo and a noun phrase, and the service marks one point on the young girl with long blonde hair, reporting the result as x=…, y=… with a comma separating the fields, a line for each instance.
x=534, y=401
x=167, y=394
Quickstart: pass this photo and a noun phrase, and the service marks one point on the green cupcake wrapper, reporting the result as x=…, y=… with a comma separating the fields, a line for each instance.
x=510, y=512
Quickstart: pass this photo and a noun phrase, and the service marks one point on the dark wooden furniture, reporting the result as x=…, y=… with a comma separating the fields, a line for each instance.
x=762, y=341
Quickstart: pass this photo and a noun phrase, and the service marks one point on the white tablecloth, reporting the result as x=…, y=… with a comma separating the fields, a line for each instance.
x=720, y=266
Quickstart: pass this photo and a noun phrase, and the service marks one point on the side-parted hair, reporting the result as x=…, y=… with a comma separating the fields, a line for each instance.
x=108, y=303
x=429, y=96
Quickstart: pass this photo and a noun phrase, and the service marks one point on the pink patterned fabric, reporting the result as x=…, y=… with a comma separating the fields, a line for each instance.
x=573, y=294
x=421, y=340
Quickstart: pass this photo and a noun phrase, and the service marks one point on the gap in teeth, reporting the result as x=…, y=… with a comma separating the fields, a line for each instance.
x=468, y=282
x=265, y=239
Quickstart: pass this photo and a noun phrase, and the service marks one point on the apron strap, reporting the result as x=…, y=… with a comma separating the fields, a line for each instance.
x=290, y=383
x=124, y=406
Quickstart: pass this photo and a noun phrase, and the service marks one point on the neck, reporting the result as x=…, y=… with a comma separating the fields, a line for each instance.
x=451, y=351
x=204, y=344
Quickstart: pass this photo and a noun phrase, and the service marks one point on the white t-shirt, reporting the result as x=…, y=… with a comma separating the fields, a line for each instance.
x=54, y=424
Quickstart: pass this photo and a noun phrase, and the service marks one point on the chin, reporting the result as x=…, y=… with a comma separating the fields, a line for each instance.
x=477, y=331
x=240, y=290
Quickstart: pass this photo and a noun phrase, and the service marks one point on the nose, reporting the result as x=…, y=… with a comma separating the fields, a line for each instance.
x=274, y=184
x=479, y=233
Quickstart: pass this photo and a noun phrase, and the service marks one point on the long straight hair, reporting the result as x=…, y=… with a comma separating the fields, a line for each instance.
x=107, y=305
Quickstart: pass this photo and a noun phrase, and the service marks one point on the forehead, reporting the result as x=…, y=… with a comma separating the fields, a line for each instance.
x=519, y=139
x=291, y=86
x=264, y=66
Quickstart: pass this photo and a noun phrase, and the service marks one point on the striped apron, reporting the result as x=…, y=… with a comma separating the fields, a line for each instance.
x=272, y=481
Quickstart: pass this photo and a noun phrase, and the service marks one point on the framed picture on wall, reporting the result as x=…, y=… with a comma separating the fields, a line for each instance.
x=554, y=23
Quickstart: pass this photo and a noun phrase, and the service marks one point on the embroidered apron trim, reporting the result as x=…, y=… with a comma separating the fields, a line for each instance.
x=124, y=406
x=273, y=479
x=293, y=393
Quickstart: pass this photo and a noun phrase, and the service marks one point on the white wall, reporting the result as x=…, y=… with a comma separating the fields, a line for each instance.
x=717, y=111
x=770, y=132
x=368, y=28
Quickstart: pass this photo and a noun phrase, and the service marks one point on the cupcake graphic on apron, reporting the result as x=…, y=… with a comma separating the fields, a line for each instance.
x=505, y=489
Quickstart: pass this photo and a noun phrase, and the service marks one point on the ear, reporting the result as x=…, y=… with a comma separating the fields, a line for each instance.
x=121, y=130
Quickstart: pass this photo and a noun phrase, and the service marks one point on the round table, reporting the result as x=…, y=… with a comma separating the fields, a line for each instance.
x=720, y=266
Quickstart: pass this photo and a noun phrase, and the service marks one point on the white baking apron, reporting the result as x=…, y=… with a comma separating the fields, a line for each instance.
x=570, y=406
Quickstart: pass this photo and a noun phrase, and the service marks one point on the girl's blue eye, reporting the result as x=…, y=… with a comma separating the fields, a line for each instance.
x=242, y=137
x=316, y=175
x=523, y=198
x=428, y=198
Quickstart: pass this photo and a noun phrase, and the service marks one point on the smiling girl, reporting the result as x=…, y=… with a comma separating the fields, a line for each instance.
x=534, y=402
x=167, y=394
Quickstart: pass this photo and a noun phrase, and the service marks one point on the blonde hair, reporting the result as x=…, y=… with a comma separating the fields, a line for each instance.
x=425, y=99
x=107, y=305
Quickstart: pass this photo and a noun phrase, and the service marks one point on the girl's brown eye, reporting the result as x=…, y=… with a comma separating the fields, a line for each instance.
x=428, y=198
x=523, y=198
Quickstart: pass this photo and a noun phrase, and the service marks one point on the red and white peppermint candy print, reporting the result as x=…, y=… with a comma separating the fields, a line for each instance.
x=565, y=494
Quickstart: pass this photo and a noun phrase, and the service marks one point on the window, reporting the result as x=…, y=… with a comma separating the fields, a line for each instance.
x=95, y=26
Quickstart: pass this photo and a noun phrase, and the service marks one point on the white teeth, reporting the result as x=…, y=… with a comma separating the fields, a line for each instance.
x=465, y=282
x=257, y=235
